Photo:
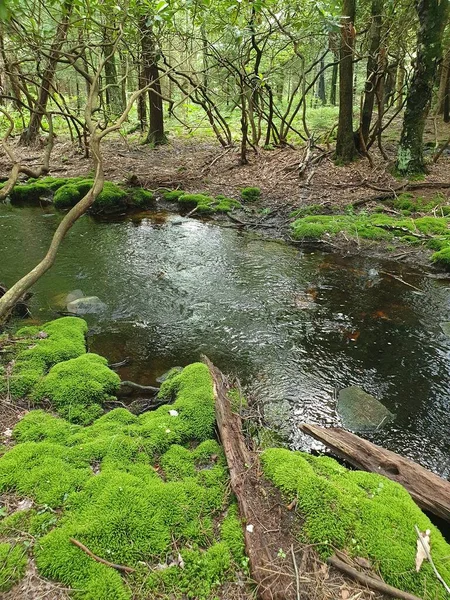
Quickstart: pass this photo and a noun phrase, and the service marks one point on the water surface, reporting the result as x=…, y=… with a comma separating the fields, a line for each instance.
x=294, y=327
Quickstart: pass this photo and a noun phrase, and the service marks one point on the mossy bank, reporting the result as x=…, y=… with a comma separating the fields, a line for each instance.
x=151, y=492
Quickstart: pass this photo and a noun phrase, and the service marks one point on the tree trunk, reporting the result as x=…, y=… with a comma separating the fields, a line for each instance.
x=432, y=18
x=345, y=143
x=372, y=74
x=334, y=83
x=443, y=83
x=114, y=101
x=29, y=136
x=156, y=135
x=321, y=85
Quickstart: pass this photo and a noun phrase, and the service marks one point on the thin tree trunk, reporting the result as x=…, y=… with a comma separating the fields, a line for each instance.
x=432, y=17
x=372, y=73
x=443, y=83
x=114, y=100
x=321, y=85
x=29, y=136
x=345, y=143
x=156, y=134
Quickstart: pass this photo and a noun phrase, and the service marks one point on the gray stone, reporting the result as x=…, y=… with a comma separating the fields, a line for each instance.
x=445, y=326
x=360, y=411
x=74, y=295
x=86, y=305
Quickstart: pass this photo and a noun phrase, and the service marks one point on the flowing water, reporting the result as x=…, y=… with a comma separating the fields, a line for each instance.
x=294, y=327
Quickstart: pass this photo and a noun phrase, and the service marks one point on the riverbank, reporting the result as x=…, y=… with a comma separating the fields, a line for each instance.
x=117, y=505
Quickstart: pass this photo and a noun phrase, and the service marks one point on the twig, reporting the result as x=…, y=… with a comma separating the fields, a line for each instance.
x=102, y=560
x=370, y=582
x=297, y=578
x=137, y=386
x=430, y=560
x=401, y=280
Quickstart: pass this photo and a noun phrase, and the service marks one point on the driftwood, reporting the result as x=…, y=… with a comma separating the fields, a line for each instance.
x=131, y=385
x=371, y=582
x=429, y=491
x=245, y=477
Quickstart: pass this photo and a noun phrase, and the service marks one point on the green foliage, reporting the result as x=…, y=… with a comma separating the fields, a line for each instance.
x=13, y=562
x=45, y=346
x=363, y=514
x=128, y=487
x=250, y=194
x=78, y=388
x=310, y=209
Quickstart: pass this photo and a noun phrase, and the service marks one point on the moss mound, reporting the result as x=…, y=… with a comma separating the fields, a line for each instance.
x=128, y=486
x=250, y=194
x=13, y=562
x=43, y=347
x=78, y=388
x=203, y=203
x=66, y=192
x=363, y=514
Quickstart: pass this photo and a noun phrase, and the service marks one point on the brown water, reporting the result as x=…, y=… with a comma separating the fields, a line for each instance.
x=294, y=327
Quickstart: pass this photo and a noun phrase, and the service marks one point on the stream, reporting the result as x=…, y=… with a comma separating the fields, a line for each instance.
x=295, y=327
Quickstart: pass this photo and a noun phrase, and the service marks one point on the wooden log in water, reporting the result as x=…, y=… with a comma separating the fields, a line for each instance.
x=429, y=491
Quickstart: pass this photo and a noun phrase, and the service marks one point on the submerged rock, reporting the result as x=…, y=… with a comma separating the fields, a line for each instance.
x=360, y=411
x=84, y=306
x=445, y=326
x=74, y=295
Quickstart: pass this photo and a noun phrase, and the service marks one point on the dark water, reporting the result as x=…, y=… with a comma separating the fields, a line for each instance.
x=294, y=327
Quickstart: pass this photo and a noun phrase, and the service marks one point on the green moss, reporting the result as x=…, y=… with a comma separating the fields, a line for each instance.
x=128, y=486
x=35, y=190
x=226, y=204
x=203, y=203
x=442, y=258
x=78, y=388
x=432, y=225
x=250, y=194
x=173, y=195
x=13, y=562
x=66, y=196
x=438, y=243
x=362, y=514
x=141, y=198
x=45, y=346
x=304, y=230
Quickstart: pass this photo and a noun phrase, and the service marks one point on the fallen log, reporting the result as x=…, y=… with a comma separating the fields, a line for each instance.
x=429, y=491
x=245, y=478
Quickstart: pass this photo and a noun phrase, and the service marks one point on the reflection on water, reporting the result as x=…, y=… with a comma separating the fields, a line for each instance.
x=294, y=327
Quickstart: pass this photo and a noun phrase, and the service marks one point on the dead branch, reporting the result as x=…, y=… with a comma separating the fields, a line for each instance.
x=140, y=388
x=121, y=568
x=371, y=582
x=429, y=491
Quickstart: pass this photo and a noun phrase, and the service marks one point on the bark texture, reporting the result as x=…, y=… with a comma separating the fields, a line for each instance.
x=432, y=18
x=345, y=143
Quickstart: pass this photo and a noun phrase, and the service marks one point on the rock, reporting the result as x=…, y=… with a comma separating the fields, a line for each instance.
x=360, y=411
x=445, y=326
x=75, y=295
x=86, y=305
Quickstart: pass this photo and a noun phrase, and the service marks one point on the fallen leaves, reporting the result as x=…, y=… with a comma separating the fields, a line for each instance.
x=423, y=545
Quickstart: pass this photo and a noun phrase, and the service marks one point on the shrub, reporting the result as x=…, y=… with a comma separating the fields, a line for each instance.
x=250, y=194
